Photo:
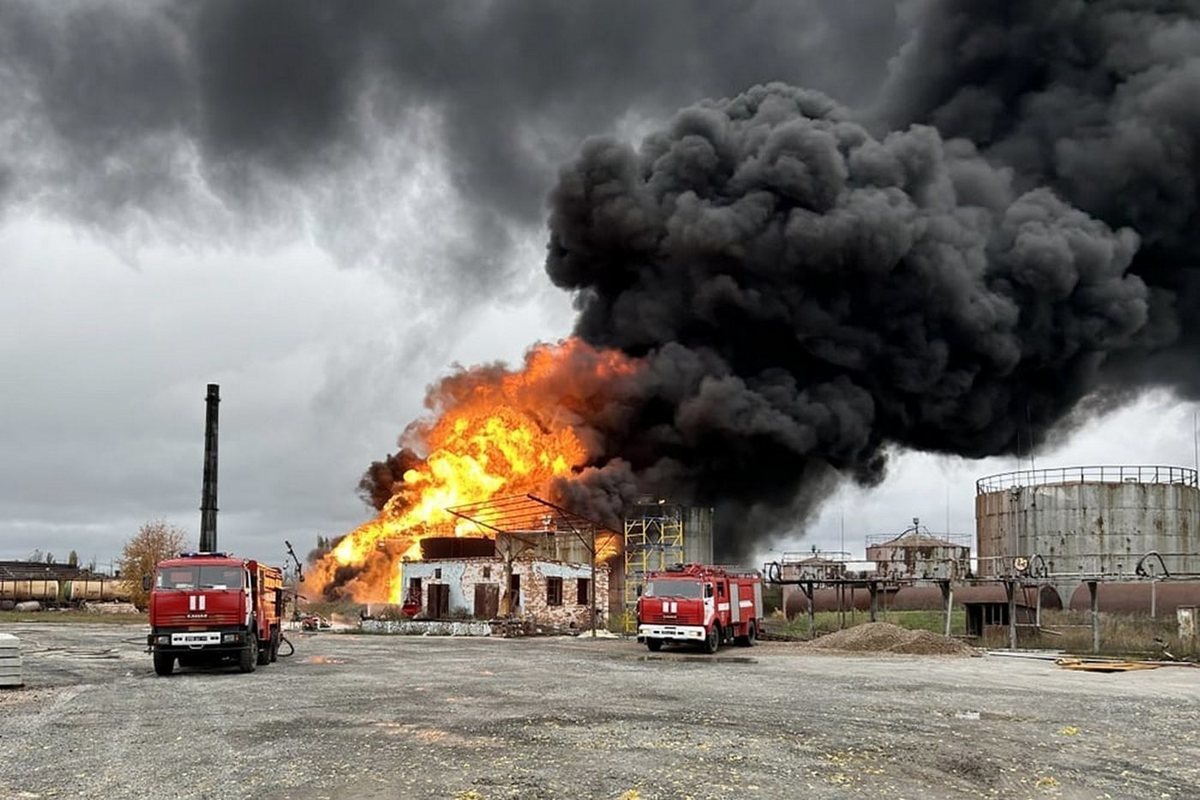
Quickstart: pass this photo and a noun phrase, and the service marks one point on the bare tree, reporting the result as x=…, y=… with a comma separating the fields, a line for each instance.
x=153, y=542
x=73, y=559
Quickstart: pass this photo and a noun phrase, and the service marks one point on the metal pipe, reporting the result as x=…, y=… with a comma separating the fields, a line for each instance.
x=812, y=614
x=1038, y=612
x=208, y=492
x=1095, y=616
x=1010, y=592
x=948, y=594
x=592, y=587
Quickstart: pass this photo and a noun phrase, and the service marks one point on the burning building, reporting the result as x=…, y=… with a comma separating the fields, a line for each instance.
x=772, y=295
x=495, y=437
x=508, y=576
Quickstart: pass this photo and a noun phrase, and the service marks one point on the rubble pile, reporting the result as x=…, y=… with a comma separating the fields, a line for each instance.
x=884, y=637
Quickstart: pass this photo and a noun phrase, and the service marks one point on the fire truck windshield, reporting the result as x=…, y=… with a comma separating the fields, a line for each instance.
x=670, y=588
x=200, y=578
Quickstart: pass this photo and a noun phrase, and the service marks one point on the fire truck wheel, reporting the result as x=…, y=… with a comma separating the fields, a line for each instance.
x=748, y=639
x=164, y=663
x=654, y=645
x=264, y=653
x=248, y=657
x=713, y=640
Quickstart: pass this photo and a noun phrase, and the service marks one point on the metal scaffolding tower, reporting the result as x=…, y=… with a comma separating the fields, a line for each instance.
x=653, y=541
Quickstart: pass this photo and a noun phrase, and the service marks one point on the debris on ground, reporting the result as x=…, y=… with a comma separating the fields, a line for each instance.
x=884, y=637
x=1081, y=665
x=111, y=607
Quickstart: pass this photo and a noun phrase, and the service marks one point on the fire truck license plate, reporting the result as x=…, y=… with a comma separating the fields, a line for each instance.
x=196, y=638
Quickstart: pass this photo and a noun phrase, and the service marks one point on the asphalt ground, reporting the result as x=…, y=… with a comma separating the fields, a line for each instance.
x=360, y=716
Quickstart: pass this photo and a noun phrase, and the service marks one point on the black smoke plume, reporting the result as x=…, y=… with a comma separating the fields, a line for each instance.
x=1096, y=100
x=805, y=295
x=383, y=478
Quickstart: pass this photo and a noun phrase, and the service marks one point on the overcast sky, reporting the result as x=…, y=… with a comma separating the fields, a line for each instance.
x=322, y=212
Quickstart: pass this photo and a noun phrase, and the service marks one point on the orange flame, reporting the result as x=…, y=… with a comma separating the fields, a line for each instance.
x=494, y=433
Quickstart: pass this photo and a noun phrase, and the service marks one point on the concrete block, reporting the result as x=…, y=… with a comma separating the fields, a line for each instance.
x=415, y=627
x=10, y=661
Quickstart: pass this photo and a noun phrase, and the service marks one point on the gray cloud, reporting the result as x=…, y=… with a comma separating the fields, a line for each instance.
x=205, y=120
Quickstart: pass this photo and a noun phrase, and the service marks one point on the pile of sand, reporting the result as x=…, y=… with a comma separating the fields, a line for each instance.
x=883, y=637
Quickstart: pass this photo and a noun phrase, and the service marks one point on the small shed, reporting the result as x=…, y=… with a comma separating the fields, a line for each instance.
x=987, y=605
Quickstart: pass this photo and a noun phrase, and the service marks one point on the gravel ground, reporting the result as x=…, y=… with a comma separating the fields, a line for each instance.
x=409, y=717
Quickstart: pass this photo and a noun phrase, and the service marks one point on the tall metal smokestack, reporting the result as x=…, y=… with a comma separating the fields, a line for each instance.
x=208, y=496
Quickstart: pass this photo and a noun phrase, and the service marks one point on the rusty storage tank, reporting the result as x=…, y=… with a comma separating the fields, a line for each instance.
x=1160, y=598
x=1088, y=520
x=912, y=598
x=816, y=568
x=919, y=555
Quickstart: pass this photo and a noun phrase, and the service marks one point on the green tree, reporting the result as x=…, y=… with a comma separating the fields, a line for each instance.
x=153, y=542
x=73, y=559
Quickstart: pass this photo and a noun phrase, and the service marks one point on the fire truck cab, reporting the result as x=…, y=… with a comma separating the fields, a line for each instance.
x=700, y=604
x=209, y=607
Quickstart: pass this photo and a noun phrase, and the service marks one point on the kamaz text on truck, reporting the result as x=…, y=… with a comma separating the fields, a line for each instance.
x=210, y=607
x=700, y=604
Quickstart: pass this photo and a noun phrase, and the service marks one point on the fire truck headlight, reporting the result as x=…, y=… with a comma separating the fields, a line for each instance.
x=163, y=638
x=231, y=637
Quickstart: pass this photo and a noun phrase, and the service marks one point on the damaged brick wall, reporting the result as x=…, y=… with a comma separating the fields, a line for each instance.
x=462, y=577
x=570, y=613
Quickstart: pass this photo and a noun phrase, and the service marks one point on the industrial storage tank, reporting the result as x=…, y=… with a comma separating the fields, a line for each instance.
x=96, y=590
x=697, y=534
x=1159, y=598
x=21, y=590
x=912, y=598
x=1087, y=521
x=916, y=554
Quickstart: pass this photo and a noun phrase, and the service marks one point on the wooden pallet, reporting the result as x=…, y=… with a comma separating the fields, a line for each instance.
x=1080, y=665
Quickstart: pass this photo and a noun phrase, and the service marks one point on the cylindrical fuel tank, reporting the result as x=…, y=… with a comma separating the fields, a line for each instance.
x=1138, y=597
x=907, y=598
x=36, y=589
x=911, y=598
x=97, y=590
x=1088, y=520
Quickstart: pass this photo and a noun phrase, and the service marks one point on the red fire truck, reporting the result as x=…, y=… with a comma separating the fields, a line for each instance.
x=210, y=607
x=700, y=604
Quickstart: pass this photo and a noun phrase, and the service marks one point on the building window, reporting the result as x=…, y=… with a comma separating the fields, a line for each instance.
x=487, y=572
x=437, y=573
x=514, y=590
x=554, y=591
x=583, y=592
x=414, y=590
